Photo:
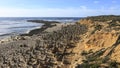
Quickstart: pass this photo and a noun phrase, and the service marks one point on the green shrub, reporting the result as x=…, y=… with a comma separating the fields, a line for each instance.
x=83, y=53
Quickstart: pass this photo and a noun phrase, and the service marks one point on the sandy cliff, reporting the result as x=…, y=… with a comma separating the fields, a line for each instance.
x=101, y=42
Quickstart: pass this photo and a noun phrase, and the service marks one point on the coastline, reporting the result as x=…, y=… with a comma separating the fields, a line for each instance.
x=38, y=30
x=45, y=28
x=35, y=31
x=39, y=47
x=65, y=45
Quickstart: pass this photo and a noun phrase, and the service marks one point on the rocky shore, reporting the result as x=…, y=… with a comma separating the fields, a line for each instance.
x=88, y=43
x=46, y=25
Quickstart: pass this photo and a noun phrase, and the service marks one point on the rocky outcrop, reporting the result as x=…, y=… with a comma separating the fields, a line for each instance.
x=43, y=21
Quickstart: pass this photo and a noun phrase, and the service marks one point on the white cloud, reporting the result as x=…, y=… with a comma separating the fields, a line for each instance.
x=96, y=2
x=113, y=8
x=42, y=12
x=56, y=12
x=114, y=1
x=83, y=7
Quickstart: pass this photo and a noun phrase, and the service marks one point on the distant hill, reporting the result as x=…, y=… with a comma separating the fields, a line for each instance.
x=104, y=18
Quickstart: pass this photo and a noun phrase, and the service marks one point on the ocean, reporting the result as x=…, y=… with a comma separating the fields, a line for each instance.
x=10, y=26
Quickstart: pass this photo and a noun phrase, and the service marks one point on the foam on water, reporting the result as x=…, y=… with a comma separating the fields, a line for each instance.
x=14, y=26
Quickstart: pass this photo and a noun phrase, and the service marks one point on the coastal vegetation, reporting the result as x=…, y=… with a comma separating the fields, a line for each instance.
x=104, y=18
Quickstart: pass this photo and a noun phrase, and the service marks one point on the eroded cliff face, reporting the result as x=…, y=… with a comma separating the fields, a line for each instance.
x=100, y=42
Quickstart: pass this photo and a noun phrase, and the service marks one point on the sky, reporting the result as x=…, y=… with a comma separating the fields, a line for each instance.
x=58, y=8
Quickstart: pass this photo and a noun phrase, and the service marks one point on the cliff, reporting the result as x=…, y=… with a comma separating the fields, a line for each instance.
x=89, y=43
x=101, y=42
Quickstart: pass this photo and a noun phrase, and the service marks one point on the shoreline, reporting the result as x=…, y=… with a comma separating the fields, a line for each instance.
x=38, y=30
x=35, y=31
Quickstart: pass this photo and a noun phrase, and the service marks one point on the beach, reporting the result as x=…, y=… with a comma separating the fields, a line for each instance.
x=41, y=29
x=12, y=26
x=24, y=43
x=48, y=26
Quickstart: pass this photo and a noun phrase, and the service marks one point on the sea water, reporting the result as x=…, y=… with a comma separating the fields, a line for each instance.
x=10, y=26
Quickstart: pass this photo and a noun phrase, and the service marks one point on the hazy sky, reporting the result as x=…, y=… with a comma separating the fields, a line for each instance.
x=56, y=8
